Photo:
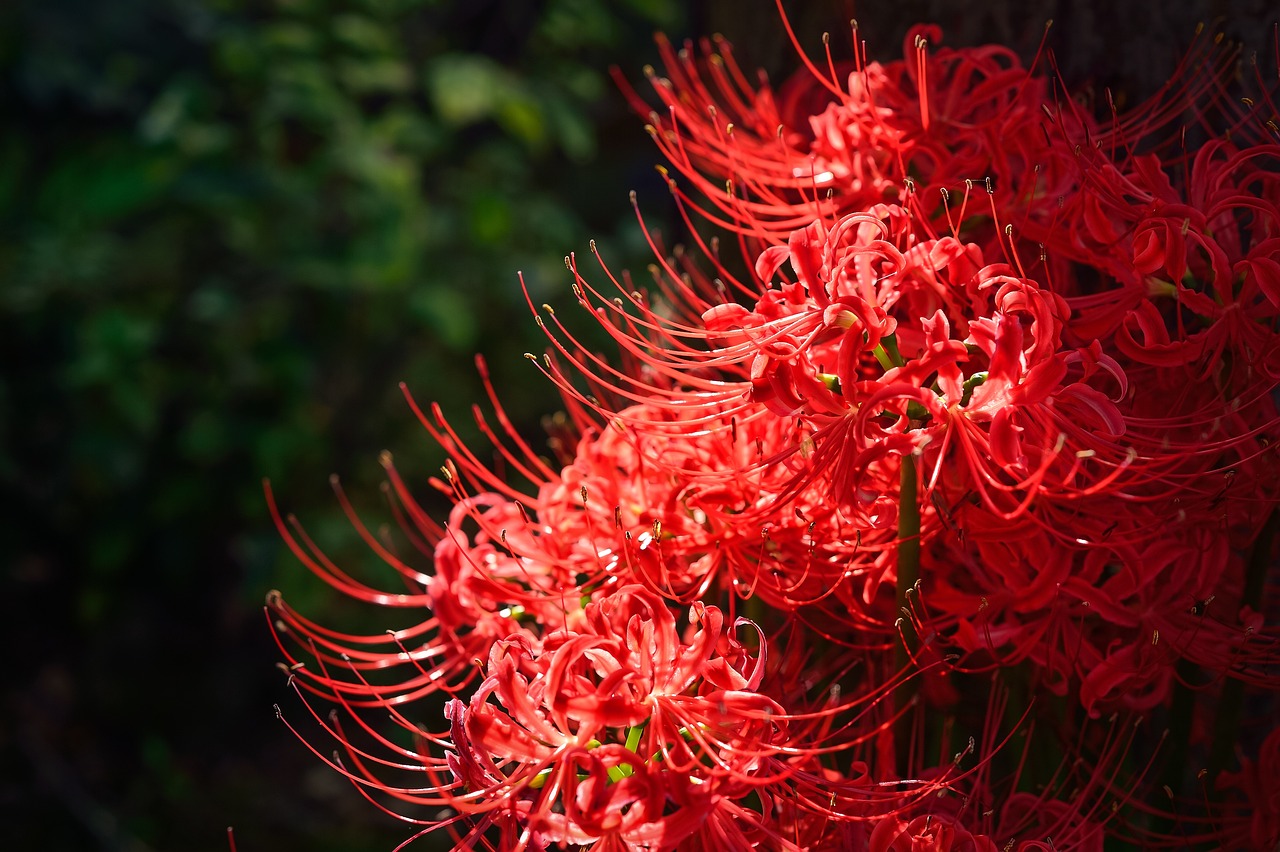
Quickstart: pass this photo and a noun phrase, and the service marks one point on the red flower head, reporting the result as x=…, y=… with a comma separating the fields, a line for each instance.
x=621, y=730
x=689, y=512
x=937, y=435
x=842, y=140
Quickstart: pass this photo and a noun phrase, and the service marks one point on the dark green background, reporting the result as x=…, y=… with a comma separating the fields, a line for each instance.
x=228, y=229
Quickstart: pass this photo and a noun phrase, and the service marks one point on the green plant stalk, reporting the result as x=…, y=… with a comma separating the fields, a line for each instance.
x=908, y=574
x=755, y=610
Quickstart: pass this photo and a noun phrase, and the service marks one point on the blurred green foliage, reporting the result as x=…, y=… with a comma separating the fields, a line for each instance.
x=229, y=229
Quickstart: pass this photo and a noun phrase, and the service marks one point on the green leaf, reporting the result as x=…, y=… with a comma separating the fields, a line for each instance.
x=448, y=313
x=374, y=76
x=521, y=116
x=362, y=35
x=105, y=183
x=287, y=37
x=465, y=89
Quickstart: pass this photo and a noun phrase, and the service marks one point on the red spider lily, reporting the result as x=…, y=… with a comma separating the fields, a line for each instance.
x=673, y=509
x=631, y=732
x=1112, y=622
x=546, y=746
x=1207, y=245
x=1009, y=416
x=842, y=140
x=792, y=534
x=935, y=93
x=626, y=692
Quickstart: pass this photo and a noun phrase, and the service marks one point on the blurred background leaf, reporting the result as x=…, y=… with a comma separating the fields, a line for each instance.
x=229, y=230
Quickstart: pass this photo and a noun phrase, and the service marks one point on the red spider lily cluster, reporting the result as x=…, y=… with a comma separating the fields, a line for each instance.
x=939, y=517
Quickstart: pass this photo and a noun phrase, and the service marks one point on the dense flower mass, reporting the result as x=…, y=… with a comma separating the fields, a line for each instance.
x=949, y=525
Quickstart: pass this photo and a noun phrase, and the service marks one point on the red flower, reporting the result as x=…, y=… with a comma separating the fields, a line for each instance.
x=688, y=513
x=912, y=451
x=623, y=731
x=840, y=141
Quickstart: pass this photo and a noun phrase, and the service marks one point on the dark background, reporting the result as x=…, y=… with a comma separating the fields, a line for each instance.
x=228, y=229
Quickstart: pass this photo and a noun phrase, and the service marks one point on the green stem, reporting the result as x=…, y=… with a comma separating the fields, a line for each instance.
x=887, y=353
x=625, y=770
x=908, y=574
x=755, y=610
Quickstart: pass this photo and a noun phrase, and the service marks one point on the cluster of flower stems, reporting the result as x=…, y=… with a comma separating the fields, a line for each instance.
x=937, y=514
